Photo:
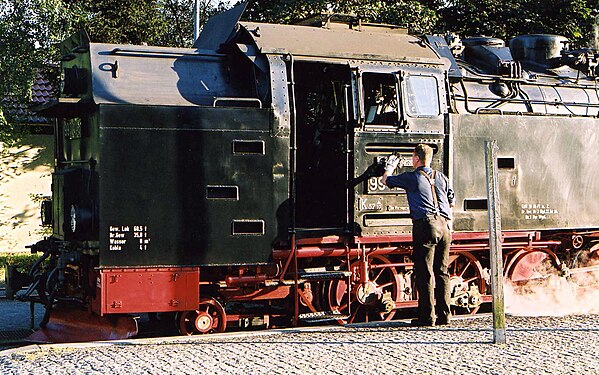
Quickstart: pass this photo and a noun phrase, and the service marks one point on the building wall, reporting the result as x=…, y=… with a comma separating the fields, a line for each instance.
x=25, y=176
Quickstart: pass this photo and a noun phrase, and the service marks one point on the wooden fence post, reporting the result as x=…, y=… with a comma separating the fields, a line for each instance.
x=495, y=243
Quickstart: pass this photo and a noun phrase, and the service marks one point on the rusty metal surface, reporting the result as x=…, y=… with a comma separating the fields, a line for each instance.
x=317, y=43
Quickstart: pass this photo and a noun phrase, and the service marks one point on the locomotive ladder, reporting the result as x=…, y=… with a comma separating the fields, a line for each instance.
x=302, y=276
x=320, y=274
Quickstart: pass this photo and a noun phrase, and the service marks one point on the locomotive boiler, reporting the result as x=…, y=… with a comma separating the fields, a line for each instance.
x=237, y=183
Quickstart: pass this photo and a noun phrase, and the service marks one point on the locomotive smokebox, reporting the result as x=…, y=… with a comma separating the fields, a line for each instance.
x=537, y=48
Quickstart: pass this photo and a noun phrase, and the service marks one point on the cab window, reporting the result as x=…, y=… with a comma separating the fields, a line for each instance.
x=422, y=96
x=380, y=99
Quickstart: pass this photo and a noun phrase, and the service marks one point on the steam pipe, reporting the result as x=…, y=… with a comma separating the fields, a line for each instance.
x=235, y=280
x=292, y=167
x=293, y=187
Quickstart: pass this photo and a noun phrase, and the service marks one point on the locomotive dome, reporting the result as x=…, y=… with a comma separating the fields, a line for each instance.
x=538, y=48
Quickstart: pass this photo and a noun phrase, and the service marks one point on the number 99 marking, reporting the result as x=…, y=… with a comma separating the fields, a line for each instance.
x=376, y=184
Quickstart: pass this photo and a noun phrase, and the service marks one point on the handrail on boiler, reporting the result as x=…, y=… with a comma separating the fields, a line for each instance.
x=230, y=99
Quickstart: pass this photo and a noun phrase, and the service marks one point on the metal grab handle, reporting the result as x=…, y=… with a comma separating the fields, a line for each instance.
x=161, y=53
x=229, y=99
x=488, y=111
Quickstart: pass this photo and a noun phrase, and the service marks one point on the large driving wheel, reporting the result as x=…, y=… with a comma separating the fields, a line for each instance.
x=466, y=283
x=531, y=266
x=373, y=300
x=210, y=317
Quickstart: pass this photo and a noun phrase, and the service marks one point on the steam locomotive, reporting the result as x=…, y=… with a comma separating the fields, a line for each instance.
x=237, y=183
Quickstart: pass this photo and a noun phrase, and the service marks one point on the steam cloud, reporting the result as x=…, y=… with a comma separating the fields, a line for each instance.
x=555, y=295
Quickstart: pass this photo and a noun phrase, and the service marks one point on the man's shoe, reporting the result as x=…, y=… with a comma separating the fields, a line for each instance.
x=442, y=321
x=422, y=323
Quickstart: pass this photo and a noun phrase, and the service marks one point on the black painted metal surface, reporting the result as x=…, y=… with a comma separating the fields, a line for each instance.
x=189, y=186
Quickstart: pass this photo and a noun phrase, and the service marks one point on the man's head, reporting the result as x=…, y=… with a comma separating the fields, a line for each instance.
x=422, y=156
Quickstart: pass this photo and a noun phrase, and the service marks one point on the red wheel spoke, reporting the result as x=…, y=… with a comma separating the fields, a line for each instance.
x=465, y=268
x=353, y=315
x=379, y=275
x=344, y=306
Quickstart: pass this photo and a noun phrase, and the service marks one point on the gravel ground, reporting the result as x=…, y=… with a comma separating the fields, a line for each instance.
x=539, y=345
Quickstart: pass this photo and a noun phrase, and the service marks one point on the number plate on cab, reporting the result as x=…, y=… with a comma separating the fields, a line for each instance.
x=375, y=186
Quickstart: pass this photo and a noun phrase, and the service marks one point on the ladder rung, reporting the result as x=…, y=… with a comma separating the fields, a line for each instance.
x=322, y=316
x=324, y=275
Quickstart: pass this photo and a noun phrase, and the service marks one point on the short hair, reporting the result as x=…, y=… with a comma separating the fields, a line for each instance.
x=424, y=153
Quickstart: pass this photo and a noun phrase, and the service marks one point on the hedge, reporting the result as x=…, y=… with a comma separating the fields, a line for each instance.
x=23, y=262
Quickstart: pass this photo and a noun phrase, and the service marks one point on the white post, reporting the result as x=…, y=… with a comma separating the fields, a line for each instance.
x=196, y=20
x=495, y=243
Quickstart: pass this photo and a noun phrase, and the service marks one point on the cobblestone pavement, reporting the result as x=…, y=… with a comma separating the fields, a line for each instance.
x=539, y=345
x=15, y=320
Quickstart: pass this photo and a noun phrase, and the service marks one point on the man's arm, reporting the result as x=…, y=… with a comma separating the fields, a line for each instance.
x=384, y=178
x=392, y=162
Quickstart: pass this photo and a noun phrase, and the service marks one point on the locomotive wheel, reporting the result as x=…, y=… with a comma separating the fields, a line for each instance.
x=531, y=265
x=209, y=318
x=364, y=298
x=465, y=271
x=586, y=258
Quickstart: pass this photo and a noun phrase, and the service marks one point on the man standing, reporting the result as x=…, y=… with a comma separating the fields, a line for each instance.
x=430, y=198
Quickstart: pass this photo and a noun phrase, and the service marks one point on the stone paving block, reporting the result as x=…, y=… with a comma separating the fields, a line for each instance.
x=565, y=345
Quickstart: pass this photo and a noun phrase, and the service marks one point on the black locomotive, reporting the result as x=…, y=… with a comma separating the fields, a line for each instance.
x=236, y=183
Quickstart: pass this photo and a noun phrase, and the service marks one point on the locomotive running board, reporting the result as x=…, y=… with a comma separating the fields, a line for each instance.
x=65, y=326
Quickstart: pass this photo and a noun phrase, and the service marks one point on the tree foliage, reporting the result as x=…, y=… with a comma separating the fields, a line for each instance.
x=573, y=19
x=419, y=16
x=30, y=30
x=122, y=21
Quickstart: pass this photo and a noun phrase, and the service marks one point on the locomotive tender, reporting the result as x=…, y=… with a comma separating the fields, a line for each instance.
x=236, y=183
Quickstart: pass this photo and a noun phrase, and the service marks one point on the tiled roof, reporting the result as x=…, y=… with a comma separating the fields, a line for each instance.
x=41, y=92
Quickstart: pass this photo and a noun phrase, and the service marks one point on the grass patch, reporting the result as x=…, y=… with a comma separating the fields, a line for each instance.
x=23, y=262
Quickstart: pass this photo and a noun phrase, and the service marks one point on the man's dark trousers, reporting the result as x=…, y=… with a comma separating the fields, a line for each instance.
x=432, y=239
